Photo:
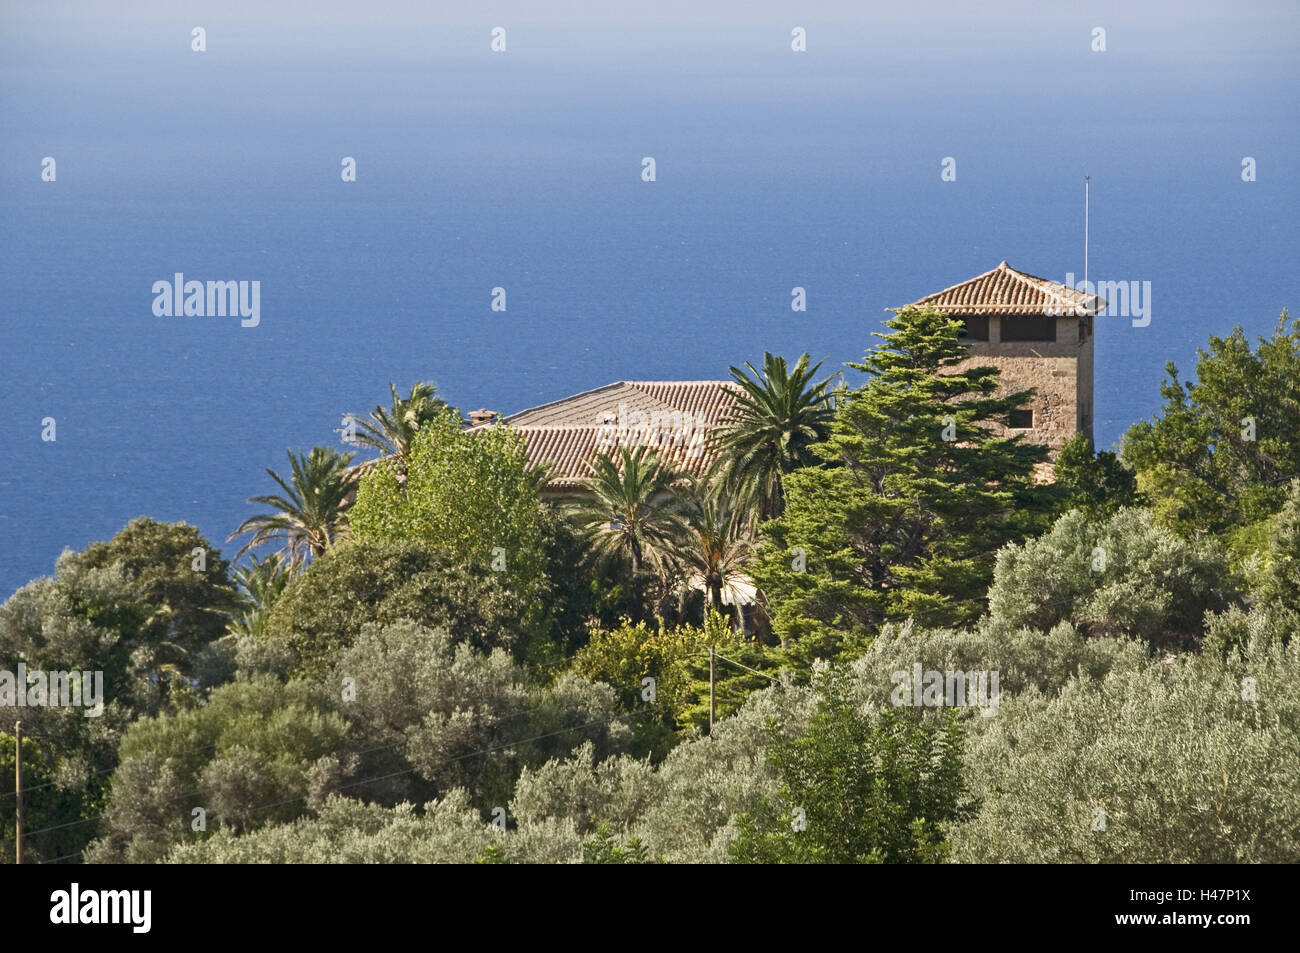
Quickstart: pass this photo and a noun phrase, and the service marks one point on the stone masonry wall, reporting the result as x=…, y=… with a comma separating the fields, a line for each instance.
x=1060, y=373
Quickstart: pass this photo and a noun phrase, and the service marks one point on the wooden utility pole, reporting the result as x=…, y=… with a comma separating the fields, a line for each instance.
x=711, y=654
x=18, y=791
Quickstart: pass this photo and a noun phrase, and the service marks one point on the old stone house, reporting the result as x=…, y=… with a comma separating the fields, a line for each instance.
x=1039, y=334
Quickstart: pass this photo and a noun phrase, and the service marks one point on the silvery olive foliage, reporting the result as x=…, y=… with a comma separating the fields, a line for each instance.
x=585, y=792
x=460, y=718
x=1124, y=577
x=1184, y=761
x=683, y=810
x=709, y=782
x=410, y=715
x=349, y=831
x=1024, y=658
x=1275, y=572
x=247, y=756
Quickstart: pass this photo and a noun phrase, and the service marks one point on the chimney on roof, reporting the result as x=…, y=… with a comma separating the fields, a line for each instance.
x=482, y=416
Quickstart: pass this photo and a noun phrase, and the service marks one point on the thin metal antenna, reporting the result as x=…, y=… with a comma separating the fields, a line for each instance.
x=1087, y=188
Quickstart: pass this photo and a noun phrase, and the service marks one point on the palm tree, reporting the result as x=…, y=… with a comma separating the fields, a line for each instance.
x=718, y=541
x=391, y=430
x=628, y=508
x=262, y=582
x=779, y=415
x=311, y=516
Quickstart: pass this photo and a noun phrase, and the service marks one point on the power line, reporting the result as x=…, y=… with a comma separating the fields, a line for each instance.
x=210, y=748
x=463, y=757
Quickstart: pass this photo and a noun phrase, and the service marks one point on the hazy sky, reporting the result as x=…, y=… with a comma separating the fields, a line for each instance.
x=1170, y=28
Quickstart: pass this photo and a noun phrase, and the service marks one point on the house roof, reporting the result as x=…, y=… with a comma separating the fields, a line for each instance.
x=673, y=417
x=1003, y=290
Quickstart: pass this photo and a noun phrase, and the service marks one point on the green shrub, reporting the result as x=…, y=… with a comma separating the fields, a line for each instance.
x=323, y=612
x=1126, y=577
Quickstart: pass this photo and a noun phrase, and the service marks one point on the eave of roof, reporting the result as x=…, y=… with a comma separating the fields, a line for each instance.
x=1004, y=290
x=647, y=389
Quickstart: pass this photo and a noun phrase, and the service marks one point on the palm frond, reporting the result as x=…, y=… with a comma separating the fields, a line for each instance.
x=311, y=515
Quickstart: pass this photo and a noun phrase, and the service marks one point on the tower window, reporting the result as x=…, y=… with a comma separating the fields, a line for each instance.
x=976, y=328
x=1029, y=328
x=1020, y=419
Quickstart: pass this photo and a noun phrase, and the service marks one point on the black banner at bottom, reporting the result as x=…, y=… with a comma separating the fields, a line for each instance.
x=334, y=903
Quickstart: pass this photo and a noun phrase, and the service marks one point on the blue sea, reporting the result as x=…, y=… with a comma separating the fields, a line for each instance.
x=522, y=170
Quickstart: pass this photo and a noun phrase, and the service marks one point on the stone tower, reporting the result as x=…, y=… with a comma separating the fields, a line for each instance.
x=1038, y=333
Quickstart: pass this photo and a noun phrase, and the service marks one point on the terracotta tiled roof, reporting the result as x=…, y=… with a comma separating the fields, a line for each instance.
x=1007, y=291
x=674, y=417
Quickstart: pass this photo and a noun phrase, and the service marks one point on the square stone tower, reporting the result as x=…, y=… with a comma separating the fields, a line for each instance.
x=1038, y=333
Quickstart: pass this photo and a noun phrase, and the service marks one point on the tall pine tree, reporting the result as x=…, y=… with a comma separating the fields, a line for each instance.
x=915, y=496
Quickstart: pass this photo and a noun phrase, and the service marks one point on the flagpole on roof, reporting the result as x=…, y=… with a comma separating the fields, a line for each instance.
x=1087, y=182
